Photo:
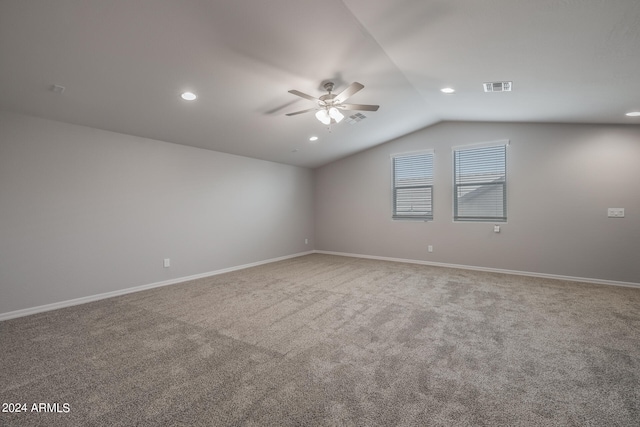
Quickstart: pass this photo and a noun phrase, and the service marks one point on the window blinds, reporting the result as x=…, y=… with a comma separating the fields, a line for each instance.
x=413, y=186
x=480, y=184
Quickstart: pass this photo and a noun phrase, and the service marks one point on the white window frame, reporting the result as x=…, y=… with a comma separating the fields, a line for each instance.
x=396, y=215
x=460, y=217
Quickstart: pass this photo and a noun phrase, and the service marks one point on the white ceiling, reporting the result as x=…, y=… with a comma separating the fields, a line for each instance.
x=124, y=64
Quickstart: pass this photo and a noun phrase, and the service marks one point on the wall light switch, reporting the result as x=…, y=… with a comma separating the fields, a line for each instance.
x=167, y=263
x=615, y=212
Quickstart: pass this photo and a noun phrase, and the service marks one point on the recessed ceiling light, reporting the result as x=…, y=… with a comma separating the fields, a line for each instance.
x=313, y=138
x=633, y=114
x=188, y=96
x=447, y=90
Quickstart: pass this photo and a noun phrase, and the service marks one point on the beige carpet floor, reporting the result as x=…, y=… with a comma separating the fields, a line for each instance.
x=323, y=340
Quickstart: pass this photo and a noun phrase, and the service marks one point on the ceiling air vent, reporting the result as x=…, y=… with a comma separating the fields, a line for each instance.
x=497, y=86
x=352, y=120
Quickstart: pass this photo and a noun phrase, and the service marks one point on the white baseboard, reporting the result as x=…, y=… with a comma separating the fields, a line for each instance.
x=91, y=298
x=491, y=270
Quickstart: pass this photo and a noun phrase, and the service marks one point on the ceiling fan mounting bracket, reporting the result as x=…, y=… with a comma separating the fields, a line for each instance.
x=328, y=86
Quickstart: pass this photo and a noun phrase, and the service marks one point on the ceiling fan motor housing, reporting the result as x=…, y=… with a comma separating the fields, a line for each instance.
x=326, y=99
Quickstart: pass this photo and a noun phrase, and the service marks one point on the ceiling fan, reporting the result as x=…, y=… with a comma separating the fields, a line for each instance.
x=330, y=104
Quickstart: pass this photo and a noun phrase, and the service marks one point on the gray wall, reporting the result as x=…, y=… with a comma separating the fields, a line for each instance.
x=561, y=180
x=85, y=211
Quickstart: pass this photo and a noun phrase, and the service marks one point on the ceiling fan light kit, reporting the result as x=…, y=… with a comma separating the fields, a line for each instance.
x=323, y=116
x=329, y=115
x=329, y=105
x=335, y=114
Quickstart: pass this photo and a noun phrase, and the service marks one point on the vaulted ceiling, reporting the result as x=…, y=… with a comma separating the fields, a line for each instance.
x=124, y=63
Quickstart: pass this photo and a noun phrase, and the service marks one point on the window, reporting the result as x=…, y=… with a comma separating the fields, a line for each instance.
x=480, y=183
x=413, y=186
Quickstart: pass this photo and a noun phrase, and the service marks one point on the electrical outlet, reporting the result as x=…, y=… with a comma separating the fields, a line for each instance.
x=306, y=241
x=615, y=212
x=429, y=248
x=167, y=263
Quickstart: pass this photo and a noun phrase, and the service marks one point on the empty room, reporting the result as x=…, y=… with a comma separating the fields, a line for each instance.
x=302, y=213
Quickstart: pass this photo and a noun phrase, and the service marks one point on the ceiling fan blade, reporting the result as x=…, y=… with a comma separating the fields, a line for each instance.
x=303, y=95
x=300, y=112
x=361, y=107
x=350, y=90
